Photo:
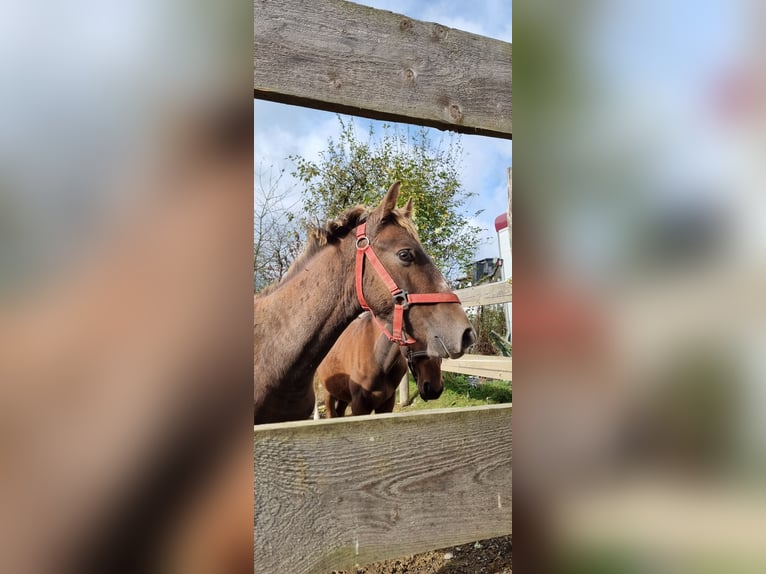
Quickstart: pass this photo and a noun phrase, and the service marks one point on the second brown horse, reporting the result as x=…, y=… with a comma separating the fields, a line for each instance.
x=364, y=369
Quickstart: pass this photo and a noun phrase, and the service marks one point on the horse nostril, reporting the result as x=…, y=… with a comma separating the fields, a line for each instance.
x=469, y=338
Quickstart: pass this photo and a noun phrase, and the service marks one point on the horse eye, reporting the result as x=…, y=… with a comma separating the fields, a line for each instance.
x=405, y=255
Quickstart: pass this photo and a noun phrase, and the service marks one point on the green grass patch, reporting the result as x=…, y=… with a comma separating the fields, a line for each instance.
x=460, y=391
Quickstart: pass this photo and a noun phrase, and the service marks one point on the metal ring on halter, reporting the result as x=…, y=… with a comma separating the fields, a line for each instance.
x=360, y=239
x=401, y=299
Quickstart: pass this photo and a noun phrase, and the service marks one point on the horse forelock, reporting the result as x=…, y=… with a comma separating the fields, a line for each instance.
x=399, y=218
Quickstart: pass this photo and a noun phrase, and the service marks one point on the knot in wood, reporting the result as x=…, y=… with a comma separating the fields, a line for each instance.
x=335, y=81
x=409, y=74
x=405, y=24
x=438, y=32
x=455, y=113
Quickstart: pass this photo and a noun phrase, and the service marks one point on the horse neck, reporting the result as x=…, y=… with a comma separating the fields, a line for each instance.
x=311, y=309
x=386, y=353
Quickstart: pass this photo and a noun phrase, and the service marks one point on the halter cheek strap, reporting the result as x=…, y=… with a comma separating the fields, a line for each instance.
x=402, y=300
x=411, y=356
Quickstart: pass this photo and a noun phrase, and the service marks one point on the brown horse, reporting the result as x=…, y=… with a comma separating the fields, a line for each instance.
x=364, y=369
x=298, y=320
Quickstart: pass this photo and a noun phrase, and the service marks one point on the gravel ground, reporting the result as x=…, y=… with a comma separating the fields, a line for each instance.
x=491, y=556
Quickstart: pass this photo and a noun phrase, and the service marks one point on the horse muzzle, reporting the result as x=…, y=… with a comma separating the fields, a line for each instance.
x=428, y=392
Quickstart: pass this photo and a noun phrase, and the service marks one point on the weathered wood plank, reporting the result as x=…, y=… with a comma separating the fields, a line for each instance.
x=330, y=494
x=481, y=366
x=340, y=56
x=509, y=213
x=490, y=294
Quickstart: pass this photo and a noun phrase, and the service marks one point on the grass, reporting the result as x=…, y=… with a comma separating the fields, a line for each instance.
x=461, y=391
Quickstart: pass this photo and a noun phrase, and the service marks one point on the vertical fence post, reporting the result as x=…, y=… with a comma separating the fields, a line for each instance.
x=509, y=214
x=404, y=390
x=508, y=265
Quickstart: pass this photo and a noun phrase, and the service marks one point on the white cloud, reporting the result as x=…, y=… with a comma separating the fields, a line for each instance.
x=281, y=131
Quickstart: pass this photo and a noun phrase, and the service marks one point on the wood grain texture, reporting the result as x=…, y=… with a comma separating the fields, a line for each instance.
x=509, y=213
x=340, y=56
x=490, y=294
x=481, y=366
x=331, y=494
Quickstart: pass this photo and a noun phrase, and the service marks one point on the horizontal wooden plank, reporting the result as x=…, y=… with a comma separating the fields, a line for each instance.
x=334, y=493
x=704, y=522
x=489, y=294
x=343, y=57
x=481, y=366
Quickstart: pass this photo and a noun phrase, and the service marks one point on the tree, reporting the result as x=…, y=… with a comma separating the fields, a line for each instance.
x=276, y=239
x=351, y=172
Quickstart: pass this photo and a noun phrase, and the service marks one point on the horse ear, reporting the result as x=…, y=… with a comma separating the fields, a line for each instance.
x=389, y=201
x=408, y=209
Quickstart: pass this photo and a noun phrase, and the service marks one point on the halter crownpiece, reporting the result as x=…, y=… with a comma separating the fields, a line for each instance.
x=402, y=300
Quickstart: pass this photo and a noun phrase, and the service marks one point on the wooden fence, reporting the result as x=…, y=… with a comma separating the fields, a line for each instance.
x=338, y=56
x=490, y=367
x=335, y=493
x=482, y=365
x=331, y=494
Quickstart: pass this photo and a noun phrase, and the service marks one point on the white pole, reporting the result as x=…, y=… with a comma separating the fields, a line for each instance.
x=404, y=390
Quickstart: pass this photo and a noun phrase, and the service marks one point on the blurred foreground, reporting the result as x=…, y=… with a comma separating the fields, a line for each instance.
x=640, y=269
x=125, y=291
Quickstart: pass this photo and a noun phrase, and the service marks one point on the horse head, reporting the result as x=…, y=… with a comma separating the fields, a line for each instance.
x=409, y=290
x=427, y=372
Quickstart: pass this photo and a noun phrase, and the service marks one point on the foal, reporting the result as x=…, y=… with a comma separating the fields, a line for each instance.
x=364, y=369
x=297, y=321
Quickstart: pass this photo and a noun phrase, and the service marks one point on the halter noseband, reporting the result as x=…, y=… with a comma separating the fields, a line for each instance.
x=402, y=299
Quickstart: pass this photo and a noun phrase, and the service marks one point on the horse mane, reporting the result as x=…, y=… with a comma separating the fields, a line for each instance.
x=333, y=231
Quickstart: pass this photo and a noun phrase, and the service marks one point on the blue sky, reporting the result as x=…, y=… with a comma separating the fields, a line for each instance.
x=282, y=130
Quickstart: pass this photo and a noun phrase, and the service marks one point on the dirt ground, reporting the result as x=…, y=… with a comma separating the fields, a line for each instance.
x=491, y=556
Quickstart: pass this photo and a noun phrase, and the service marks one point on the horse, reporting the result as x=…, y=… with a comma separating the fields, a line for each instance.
x=297, y=320
x=125, y=373
x=363, y=369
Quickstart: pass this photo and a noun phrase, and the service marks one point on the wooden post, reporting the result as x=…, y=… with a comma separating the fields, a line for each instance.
x=404, y=390
x=509, y=268
x=509, y=215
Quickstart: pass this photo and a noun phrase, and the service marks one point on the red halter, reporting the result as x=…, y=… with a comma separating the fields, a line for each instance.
x=402, y=299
